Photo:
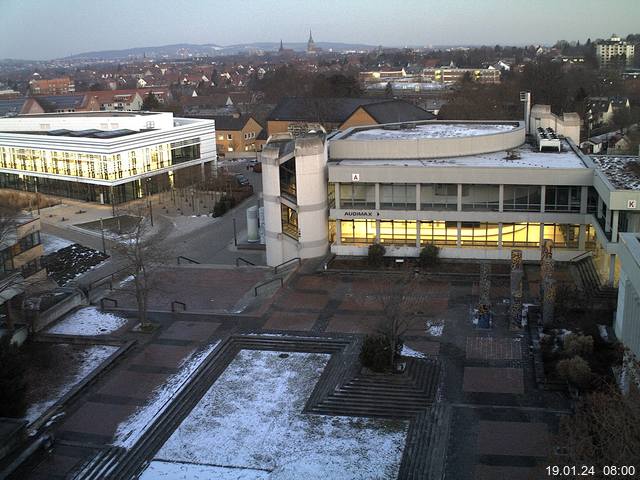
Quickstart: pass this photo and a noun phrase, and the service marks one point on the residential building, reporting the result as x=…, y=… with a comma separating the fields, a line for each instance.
x=53, y=86
x=236, y=133
x=106, y=157
x=477, y=190
x=600, y=110
x=118, y=100
x=451, y=74
x=615, y=51
x=298, y=115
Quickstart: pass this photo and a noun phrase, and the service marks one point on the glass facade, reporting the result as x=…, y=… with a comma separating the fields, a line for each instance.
x=289, y=221
x=358, y=231
x=524, y=235
x=439, y=233
x=288, y=178
x=562, y=199
x=481, y=197
x=398, y=232
x=439, y=196
x=357, y=195
x=563, y=236
x=522, y=198
x=101, y=167
x=398, y=196
x=479, y=234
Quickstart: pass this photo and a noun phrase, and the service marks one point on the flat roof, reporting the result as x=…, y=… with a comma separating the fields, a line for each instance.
x=622, y=171
x=431, y=130
x=89, y=133
x=527, y=155
x=89, y=114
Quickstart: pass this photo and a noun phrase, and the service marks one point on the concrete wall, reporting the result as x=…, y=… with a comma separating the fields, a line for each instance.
x=271, y=196
x=568, y=125
x=44, y=319
x=345, y=147
x=627, y=323
x=84, y=121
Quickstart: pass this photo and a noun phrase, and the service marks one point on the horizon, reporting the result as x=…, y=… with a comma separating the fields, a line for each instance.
x=416, y=24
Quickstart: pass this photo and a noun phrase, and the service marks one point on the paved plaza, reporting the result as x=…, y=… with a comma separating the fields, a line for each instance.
x=498, y=424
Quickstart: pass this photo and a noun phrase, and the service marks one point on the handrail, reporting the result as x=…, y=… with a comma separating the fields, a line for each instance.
x=577, y=258
x=240, y=259
x=95, y=283
x=102, y=300
x=176, y=302
x=191, y=260
x=255, y=290
x=298, y=259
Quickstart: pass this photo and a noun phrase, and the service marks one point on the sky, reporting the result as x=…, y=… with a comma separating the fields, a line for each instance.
x=46, y=29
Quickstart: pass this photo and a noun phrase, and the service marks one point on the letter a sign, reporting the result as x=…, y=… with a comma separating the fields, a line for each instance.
x=355, y=177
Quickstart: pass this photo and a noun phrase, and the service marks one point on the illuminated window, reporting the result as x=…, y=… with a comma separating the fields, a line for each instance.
x=439, y=233
x=525, y=235
x=478, y=234
x=358, y=231
x=289, y=221
x=398, y=232
x=563, y=235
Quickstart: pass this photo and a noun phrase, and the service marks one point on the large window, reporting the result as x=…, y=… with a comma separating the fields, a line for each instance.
x=591, y=237
x=439, y=233
x=398, y=232
x=357, y=195
x=562, y=199
x=289, y=221
x=439, y=196
x=481, y=197
x=288, y=178
x=592, y=200
x=525, y=235
x=563, y=236
x=398, y=196
x=521, y=198
x=478, y=234
x=185, y=151
x=358, y=231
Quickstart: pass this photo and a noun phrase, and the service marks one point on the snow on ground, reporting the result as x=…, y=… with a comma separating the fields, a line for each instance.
x=130, y=431
x=410, y=352
x=89, y=359
x=251, y=419
x=435, y=328
x=176, y=470
x=88, y=321
x=52, y=244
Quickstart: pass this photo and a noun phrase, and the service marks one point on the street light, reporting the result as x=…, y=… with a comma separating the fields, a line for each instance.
x=149, y=200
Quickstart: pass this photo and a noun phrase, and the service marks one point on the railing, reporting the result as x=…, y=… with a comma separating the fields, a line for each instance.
x=582, y=256
x=107, y=299
x=255, y=290
x=190, y=260
x=176, y=302
x=247, y=262
x=110, y=277
x=296, y=259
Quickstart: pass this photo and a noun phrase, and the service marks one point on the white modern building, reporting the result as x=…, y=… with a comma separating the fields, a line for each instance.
x=608, y=51
x=106, y=157
x=475, y=189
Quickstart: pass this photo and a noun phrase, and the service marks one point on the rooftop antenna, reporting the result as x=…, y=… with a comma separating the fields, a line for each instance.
x=525, y=97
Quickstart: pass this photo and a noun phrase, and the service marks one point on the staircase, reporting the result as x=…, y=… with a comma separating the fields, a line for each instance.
x=590, y=280
x=401, y=396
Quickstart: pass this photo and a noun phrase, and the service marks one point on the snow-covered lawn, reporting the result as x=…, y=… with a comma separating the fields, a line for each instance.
x=130, y=431
x=435, y=328
x=87, y=360
x=88, y=321
x=51, y=243
x=251, y=421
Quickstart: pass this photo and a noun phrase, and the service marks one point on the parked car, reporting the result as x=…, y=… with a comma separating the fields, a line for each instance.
x=257, y=167
x=241, y=179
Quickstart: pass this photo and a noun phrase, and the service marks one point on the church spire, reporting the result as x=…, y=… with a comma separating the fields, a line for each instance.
x=311, y=46
x=281, y=46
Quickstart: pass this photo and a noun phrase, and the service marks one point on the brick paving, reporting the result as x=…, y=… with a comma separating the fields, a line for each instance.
x=490, y=348
x=353, y=324
x=492, y=472
x=493, y=380
x=290, y=321
x=183, y=330
x=513, y=438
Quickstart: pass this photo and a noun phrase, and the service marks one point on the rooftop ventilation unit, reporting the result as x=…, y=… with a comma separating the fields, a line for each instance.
x=547, y=138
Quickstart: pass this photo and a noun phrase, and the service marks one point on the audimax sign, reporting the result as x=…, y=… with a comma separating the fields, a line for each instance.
x=361, y=213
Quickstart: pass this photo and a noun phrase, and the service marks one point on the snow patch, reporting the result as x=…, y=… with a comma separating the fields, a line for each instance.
x=435, y=328
x=410, y=352
x=52, y=244
x=251, y=418
x=88, y=321
x=130, y=431
x=158, y=469
x=435, y=130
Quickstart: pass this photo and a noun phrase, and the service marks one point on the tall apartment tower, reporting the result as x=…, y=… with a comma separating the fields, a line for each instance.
x=610, y=51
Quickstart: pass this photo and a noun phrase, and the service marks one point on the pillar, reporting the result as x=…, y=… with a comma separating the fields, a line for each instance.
x=336, y=194
x=614, y=225
x=517, y=274
x=584, y=198
x=418, y=200
x=543, y=198
x=377, y=195
x=459, y=208
x=547, y=283
x=338, y=240
x=612, y=270
x=501, y=199
x=582, y=239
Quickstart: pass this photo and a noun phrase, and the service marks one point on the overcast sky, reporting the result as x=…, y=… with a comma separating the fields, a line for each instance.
x=44, y=29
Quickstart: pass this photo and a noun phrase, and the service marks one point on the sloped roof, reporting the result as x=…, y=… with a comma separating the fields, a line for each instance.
x=60, y=102
x=230, y=122
x=11, y=106
x=397, y=111
x=314, y=109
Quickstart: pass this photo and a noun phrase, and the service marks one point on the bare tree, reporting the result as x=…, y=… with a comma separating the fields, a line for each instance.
x=143, y=254
x=9, y=278
x=401, y=302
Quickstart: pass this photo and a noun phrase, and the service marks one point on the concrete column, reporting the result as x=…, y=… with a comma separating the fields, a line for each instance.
x=418, y=196
x=459, y=198
x=501, y=201
x=582, y=239
x=338, y=240
x=377, y=190
x=337, y=194
x=378, y=231
x=584, y=197
x=612, y=270
x=607, y=221
x=500, y=232
x=458, y=239
x=418, y=234
x=600, y=203
x=543, y=196
x=614, y=225
x=541, y=234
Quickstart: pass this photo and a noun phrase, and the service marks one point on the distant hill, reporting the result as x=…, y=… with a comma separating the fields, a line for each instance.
x=189, y=49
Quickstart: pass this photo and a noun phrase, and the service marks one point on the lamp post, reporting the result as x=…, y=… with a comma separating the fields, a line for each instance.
x=148, y=183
